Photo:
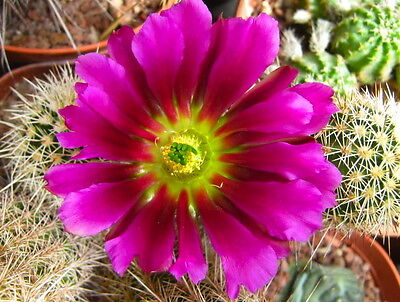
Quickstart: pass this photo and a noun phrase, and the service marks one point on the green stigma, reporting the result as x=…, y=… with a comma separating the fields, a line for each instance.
x=185, y=154
x=179, y=153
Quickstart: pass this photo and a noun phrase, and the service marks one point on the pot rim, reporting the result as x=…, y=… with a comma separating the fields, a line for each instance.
x=71, y=50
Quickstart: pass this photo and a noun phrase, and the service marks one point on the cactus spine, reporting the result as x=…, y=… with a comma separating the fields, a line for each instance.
x=30, y=147
x=363, y=141
x=38, y=261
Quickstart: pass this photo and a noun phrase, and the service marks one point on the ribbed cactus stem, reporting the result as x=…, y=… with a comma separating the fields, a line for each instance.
x=369, y=40
x=318, y=283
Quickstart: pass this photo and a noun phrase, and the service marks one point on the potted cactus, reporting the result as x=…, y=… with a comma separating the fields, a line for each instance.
x=51, y=95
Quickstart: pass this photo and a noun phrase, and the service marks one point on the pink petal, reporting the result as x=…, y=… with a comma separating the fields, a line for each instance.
x=120, y=49
x=158, y=47
x=98, y=137
x=284, y=113
x=148, y=234
x=67, y=178
x=191, y=259
x=276, y=81
x=111, y=77
x=303, y=161
x=320, y=96
x=240, y=51
x=194, y=20
x=288, y=210
x=247, y=259
x=94, y=209
x=252, y=138
x=101, y=103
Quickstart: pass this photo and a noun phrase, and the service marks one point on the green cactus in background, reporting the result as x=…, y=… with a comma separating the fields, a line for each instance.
x=369, y=40
x=328, y=9
x=319, y=283
x=30, y=147
x=363, y=141
x=318, y=65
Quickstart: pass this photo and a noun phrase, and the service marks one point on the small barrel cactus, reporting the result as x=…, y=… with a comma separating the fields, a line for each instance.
x=30, y=147
x=369, y=40
x=319, y=283
x=363, y=141
x=318, y=65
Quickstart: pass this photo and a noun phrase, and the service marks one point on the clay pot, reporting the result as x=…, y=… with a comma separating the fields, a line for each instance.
x=384, y=271
x=24, y=55
x=31, y=71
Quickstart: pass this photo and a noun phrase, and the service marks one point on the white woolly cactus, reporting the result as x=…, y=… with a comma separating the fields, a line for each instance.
x=38, y=261
x=30, y=147
x=363, y=141
x=317, y=65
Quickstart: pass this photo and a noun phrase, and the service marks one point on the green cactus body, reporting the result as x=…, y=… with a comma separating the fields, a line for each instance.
x=363, y=141
x=30, y=147
x=326, y=68
x=321, y=284
x=329, y=9
x=369, y=40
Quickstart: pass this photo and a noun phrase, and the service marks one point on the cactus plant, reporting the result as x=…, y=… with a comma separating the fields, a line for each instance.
x=332, y=9
x=369, y=40
x=317, y=65
x=31, y=146
x=363, y=141
x=319, y=283
x=38, y=261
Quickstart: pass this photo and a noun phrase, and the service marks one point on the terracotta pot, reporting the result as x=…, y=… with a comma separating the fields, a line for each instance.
x=24, y=55
x=384, y=271
x=17, y=75
x=31, y=71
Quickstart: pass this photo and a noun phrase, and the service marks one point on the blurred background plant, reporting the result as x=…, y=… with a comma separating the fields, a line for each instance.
x=368, y=38
x=321, y=283
x=318, y=65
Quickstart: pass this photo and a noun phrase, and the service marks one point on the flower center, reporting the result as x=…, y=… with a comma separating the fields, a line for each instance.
x=185, y=154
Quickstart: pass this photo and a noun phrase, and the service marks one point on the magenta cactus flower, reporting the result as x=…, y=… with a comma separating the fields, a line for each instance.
x=185, y=140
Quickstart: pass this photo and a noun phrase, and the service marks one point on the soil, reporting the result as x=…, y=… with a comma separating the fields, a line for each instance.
x=326, y=254
x=276, y=8
x=37, y=25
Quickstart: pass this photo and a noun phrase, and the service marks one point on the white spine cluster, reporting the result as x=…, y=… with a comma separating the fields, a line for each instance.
x=363, y=141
